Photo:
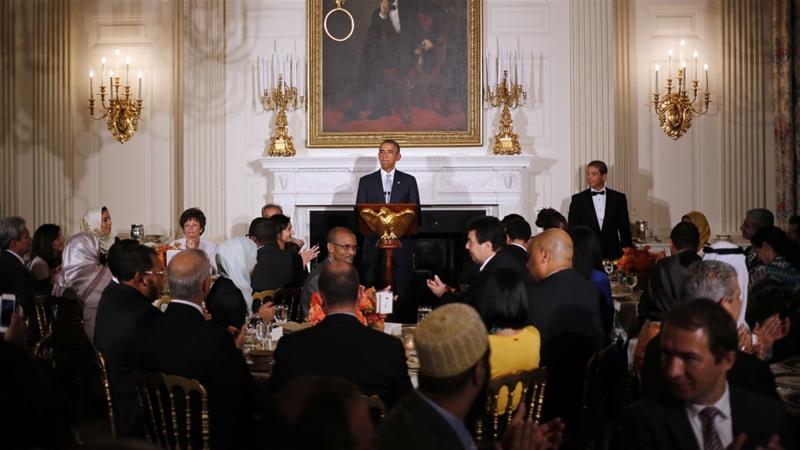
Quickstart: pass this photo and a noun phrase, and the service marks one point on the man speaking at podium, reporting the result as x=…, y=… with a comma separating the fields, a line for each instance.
x=388, y=185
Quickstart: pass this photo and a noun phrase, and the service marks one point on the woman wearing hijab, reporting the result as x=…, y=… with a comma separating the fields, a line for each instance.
x=231, y=296
x=699, y=220
x=97, y=221
x=82, y=276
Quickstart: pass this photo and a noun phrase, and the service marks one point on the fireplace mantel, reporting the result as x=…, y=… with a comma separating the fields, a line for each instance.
x=494, y=183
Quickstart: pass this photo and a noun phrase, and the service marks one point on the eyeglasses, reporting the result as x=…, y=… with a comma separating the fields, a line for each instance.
x=160, y=273
x=346, y=247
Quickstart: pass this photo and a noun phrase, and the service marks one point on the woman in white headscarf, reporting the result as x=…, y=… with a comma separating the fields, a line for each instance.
x=231, y=297
x=97, y=221
x=82, y=277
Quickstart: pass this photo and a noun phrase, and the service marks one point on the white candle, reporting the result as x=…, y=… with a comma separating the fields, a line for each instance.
x=91, y=75
x=705, y=68
x=272, y=72
x=669, y=63
x=681, y=44
x=683, y=80
x=291, y=71
x=140, y=85
x=657, y=67
x=102, y=70
x=127, y=71
x=695, y=54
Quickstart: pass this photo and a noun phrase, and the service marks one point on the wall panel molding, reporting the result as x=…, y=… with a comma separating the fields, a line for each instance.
x=121, y=30
x=675, y=22
x=8, y=157
x=519, y=19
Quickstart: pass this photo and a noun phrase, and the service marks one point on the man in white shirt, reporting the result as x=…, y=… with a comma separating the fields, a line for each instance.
x=701, y=409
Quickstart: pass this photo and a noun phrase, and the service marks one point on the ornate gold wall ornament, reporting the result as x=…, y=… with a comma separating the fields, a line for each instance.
x=508, y=95
x=675, y=110
x=281, y=98
x=121, y=112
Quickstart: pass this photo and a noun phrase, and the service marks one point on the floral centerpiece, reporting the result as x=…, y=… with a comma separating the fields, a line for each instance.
x=365, y=310
x=161, y=251
x=638, y=261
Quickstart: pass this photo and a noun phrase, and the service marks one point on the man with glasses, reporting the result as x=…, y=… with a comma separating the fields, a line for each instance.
x=342, y=247
x=138, y=278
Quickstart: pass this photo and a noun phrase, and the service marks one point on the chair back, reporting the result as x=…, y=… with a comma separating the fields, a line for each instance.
x=604, y=396
x=290, y=298
x=106, y=383
x=261, y=297
x=172, y=406
x=43, y=314
x=531, y=384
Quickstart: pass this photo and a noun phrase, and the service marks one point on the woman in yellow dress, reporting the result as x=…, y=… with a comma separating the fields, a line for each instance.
x=514, y=343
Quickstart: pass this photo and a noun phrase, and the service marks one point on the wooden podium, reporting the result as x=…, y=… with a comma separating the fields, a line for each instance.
x=390, y=222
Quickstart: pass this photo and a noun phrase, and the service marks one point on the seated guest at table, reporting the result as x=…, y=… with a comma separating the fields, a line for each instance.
x=700, y=408
x=82, y=277
x=715, y=281
x=97, y=221
x=271, y=209
x=312, y=413
x=15, y=243
x=513, y=341
x=699, y=220
x=193, y=224
x=453, y=349
x=342, y=247
x=45, y=261
x=550, y=218
x=231, y=296
x=341, y=346
x=587, y=259
x=724, y=251
x=754, y=220
x=139, y=276
x=518, y=233
x=276, y=268
x=793, y=229
x=568, y=312
x=181, y=342
x=486, y=240
x=779, y=257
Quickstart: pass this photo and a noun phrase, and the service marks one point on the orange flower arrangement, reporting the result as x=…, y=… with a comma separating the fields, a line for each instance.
x=162, y=252
x=365, y=310
x=638, y=260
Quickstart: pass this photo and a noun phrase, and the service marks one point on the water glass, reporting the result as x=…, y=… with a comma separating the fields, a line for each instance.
x=280, y=314
x=608, y=266
x=422, y=313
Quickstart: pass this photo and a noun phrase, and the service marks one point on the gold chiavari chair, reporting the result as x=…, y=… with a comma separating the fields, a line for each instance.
x=604, y=390
x=376, y=407
x=531, y=384
x=159, y=400
x=265, y=296
x=106, y=383
x=43, y=314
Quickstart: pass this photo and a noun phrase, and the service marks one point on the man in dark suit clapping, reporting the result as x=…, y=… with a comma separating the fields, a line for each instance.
x=181, y=342
x=603, y=210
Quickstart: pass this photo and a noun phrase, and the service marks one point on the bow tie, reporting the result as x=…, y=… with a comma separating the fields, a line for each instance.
x=598, y=193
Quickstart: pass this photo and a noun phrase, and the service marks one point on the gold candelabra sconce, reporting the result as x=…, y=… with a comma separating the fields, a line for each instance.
x=120, y=109
x=679, y=105
x=275, y=94
x=508, y=95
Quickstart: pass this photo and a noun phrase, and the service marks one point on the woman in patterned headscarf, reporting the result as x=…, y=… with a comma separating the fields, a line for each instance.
x=97, y=221
x=82, y=277
x=699, y=220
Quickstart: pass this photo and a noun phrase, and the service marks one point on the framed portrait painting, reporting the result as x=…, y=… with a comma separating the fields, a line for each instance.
x=405, y=69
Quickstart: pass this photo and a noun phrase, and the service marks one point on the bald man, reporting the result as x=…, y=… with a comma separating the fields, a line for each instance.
x=566, y=308
x=342, y=247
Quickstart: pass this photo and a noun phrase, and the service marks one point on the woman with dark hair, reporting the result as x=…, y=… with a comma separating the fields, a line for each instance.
x=587, y=259
x=45, y=262
x=97, y=221
x=514, y=342
x=779, y=255
x=193, y=224
x=550, y=218
x=277, y=267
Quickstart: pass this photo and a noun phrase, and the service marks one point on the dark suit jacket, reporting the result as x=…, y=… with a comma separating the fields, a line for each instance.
x=311, y=285
x=15, y=279
x=414, y=424
x=341, y=346
x=566, y=309
x=661, y=423
x=748, y=372
x=226, y=304
x=616, y=232
x=181, y=342
x=473, y=296
x=276, y=269
x=119, y=311
x=664, y=287
x=386, y=47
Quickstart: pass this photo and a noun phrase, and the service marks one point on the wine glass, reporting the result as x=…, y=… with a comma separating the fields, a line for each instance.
x=280, y=314
x=631, y=280
x=608, y=266
x=264, y=334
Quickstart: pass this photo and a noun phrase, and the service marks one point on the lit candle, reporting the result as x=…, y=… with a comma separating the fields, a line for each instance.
x=140, y=85
x=681, y=44
x=127, y=71
x=91, y=75
x=683, y=80
x=272, y=72
x=258, y=76
x=657, y=67
x=102, y=70
x=695, y=54
x=291, y=71
x=110, y=82
x=116, y=60
x=669, y=63
x=705, y=68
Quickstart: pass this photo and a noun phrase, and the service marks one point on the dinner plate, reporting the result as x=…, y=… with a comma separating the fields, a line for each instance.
x=788, y=381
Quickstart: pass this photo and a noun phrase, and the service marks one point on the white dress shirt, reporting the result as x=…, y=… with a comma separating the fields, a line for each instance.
x=599, y=205
x=391, y=182
x=486, y=262
x=21, y=260
x=723, y=422
x=184, y=302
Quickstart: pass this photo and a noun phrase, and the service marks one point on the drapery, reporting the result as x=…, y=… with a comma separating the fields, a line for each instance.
x=786, y=103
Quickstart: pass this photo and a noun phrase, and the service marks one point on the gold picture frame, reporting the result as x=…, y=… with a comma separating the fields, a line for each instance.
x=430, y=97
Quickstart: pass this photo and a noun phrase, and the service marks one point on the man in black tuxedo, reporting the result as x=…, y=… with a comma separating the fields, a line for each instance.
x=15, y=243
x=518, y=233
x=486, y=247
x=566, y=309
x=388, y=185
x=181, y=342
x=139, y=276
x=341, y=346
x=603, y=210
x=396, y=40
x=701, y=409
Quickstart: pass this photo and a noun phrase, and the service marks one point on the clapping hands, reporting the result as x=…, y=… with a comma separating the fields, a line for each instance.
x=523, y=434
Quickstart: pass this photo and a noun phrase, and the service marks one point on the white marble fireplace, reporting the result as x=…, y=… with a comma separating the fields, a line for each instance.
x=496, y=184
